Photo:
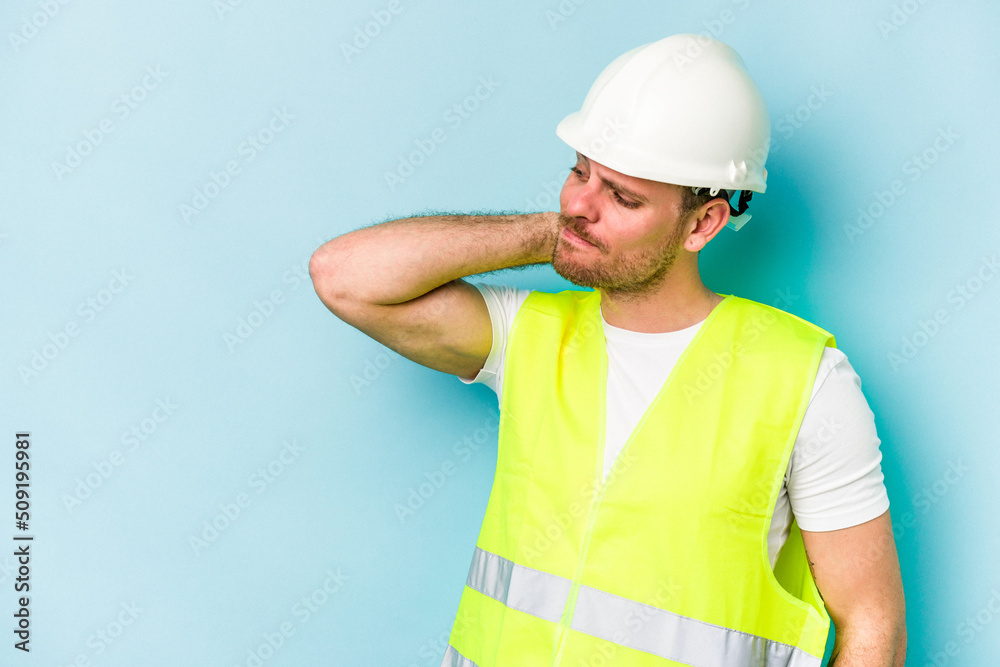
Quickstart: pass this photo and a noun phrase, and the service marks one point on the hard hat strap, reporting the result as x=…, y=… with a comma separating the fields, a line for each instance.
x=741, y=205
x=744, y=201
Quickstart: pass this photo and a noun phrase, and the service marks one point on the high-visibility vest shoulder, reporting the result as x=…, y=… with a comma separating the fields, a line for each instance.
x=665, y=562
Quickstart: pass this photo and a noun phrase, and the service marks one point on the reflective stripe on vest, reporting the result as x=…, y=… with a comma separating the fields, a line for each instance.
x=604, y=615
x=452, y=658
x=664, y=561
x=531, y=591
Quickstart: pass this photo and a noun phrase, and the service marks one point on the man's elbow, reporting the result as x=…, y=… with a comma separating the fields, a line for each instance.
x=322, y=271
x=894, y=633
x=317, y=267
x=872, y=637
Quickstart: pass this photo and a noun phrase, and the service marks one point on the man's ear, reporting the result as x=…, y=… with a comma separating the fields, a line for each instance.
x=706, y=221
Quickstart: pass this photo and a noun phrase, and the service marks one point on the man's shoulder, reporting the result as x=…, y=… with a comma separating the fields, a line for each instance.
x=765, y=313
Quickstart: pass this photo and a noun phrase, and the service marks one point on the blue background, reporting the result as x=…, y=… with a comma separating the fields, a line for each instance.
x=369, y=427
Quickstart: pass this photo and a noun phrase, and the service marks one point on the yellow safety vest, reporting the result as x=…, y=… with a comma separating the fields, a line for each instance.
x=665, y=562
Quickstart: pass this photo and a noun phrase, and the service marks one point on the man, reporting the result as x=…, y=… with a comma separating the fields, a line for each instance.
x=660, y=444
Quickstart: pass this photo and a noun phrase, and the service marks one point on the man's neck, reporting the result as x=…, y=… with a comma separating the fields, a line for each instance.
x=661, y=310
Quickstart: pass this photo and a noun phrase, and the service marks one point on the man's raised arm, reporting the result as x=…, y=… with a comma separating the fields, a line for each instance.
x=400, y=281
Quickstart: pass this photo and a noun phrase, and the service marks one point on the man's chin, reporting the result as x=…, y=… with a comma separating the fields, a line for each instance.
x=567, y=272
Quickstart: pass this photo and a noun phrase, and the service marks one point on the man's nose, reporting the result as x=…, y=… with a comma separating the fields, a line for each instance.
x=581, y=202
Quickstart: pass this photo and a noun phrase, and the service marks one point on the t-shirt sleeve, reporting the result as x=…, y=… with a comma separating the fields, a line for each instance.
x=835, y=476
x=503, y=302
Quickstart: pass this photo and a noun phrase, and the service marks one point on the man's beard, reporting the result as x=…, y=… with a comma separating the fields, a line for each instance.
x=635, y=273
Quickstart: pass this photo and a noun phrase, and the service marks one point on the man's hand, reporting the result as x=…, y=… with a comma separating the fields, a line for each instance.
x=857, y=572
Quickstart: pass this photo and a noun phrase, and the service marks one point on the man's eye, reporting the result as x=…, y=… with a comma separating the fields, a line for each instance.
x=624, y=202
x=618, y=198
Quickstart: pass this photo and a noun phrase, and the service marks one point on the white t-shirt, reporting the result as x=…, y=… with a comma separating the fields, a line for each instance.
x=834, y=478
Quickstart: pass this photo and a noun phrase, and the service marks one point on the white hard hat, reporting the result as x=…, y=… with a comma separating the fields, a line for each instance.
x=680, y=110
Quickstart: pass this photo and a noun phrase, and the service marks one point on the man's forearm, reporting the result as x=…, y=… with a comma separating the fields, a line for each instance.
x=400, y=260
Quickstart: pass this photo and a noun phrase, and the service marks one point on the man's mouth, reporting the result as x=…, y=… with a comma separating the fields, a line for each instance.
x=576, y=239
